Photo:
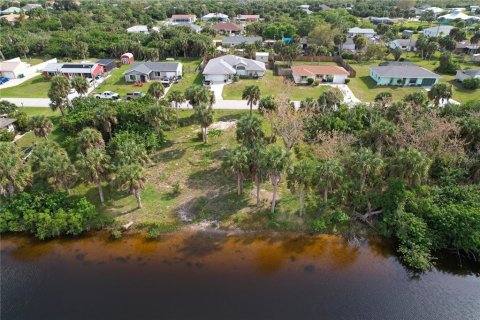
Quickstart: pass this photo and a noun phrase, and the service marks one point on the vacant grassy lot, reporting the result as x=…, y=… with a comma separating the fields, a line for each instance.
x=272, y=85
x=366, y=89
x=36, y=87
x=116, y=82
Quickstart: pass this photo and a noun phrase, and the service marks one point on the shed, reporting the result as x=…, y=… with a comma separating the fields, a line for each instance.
x=108, y=64
x=7, y=124
x=127, y=58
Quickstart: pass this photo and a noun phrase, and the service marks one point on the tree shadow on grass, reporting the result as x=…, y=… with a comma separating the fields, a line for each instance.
x=206, y=179
x=168, y=155
x=230, y=117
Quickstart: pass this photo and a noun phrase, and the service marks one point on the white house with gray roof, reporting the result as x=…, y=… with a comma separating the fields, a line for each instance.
x=223, y=69
x=146, y=71
x=237, y=40
x=366, y=32
x=404, y=44
x=467, y=74
x=437, y=31
x=402, y=74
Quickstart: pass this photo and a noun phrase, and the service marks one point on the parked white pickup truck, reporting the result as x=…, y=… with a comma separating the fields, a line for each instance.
x=107, y=95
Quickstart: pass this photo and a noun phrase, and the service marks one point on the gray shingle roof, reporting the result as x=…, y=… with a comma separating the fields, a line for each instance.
x=471, y=72
x=403, y=70
x=239, y=39
x=406, y=42
x=226, y=65
x=147, y=67
x=4, y=122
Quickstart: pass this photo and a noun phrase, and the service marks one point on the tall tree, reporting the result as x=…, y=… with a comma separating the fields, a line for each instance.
x=330, y=99
x=330, y=174
x=360, y=42
x=300, y=180
x=90, y=138
x=105, y=116
x=410, y=165
x=418, y=100
x=156, y=90
x=176, y=97
x=204, y=115
x=367, y=166
x=197, y=94
x=155, y=115
x=440, y=92
x=15, y=175
x=277, y=160
x=235, y=160
x=132, y=177
x=93, y=168
x=80, y=84
x=249, y=130
x=252, y=95
x=58, y=93
x=41, y=125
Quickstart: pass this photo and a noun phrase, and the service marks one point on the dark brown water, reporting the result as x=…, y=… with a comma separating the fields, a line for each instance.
x=194, y=275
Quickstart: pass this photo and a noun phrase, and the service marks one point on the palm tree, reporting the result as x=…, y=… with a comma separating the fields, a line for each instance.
x=367, y=165
x=105, y=116
x=360, y=42
x=252, y=95
x=92, y=167
x=177, y=97
x=132, y=178
x=300, y=179
x=156, y=90
x=267, y=103
x=209, y=53
x=339, y=40
x=440, y=92
x=41, y=125
x=384, y=98
x=50, y=163
x=417, y=100
x=197, y=94
x=330, y=173
x=58, y=93
x=249, y=130
x=330, y=99
x=475, y=39
x=276, y=161
x=83, y=49
x=250, y=50
x=380, y=133
x=204, y=115
x=257, y=164
x=90, y=138
x=128, y=151
x=410, y=165
x=80, y=84
x=15, y=175
x=236, y=161
x=155, y=115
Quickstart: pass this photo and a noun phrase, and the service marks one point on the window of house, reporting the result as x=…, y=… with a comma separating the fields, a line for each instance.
x=413, y=81
x=157, y=74
x=133, y=77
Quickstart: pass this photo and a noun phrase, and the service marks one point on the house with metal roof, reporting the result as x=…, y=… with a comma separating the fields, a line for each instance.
x=223, y=69
x=138, y=29
x=333, y=74
x=404, y=44
x=402, y=74
x=366, y=32
x=147, y=71
x=234, y=41
x=107, y=64
x=215, y=17
x=467, y=74
x=73, y=69
x=7, y=124
x=437, y=31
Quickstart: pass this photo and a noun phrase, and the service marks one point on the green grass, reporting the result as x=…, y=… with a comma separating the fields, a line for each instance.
x=116, y=82
x=36, y=87
x=366, y=89
x=29, y=138
x=271, y=85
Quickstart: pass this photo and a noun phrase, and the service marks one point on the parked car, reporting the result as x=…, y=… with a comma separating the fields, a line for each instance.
x=107, y=95
x=134, y=95
x=166, y=83
x=3, y=80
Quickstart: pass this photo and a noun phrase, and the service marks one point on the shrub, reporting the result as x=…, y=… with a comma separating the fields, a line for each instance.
x=316, y=83
x=318, y=225
x=116, y=234
x=347, y=81
x=213, y=133
x=471, y=83
x=6, y=136
x=310, y=81
x=236, y=78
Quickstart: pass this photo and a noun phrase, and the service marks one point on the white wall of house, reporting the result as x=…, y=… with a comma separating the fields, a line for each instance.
x=262, y=57
x=460, y=76
x=217, y=78
x=394, y=45
x=338, y=78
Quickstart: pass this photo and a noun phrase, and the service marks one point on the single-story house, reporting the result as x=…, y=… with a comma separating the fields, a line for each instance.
x=402, y=73
x=107, y=64
x=324, y=7
x=333, y=74
x=407, y=33
x=146, y=71
x=215, y=17
x=223, y=69
x=127, y=58
x=476, y=57
x=13, y=17
x=437, y=31
x=262, y=56
x=467, y=74
x=368, y=33
x=7, y=124
x=11, y=10
x=237, y=40
x=466, y=47
x=349, y=44
x=138, y=29
x=456, y=15
x=31, y=6
x=72, y=69
x=14, y=68
x=227, y=28
x=194, y=27
x=183, y=18
x=243, y=18
x=404, y=44
x=435, y=10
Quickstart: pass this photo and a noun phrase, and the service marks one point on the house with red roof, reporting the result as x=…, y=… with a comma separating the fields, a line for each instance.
x=227, y=28
x=332, y=74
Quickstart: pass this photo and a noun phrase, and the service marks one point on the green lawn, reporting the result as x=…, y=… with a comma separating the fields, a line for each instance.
x=271, y=85
x=56, y=135
x=116, y=82
x=366, y=89
x=36, y=87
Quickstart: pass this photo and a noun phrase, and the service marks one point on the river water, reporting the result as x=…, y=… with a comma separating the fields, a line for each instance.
x=198, y=275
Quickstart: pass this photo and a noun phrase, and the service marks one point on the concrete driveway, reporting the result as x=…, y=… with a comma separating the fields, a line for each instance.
x=217, y=89
x=16, y=82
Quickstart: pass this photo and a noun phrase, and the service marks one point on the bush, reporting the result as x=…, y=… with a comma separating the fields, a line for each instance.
x=48, y=215
x=471, y=83
x=347, y=81
x=116, y=234
x=316, y=83
x=310, y=81
x=318, y=225
x=236, y=78
x=6, y=136
x=156, y=229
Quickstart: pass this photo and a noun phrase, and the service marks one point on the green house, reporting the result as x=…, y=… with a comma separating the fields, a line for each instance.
x=402, y=74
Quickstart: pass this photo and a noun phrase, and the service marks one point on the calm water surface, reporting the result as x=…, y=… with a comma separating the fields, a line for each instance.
x=196, y=275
